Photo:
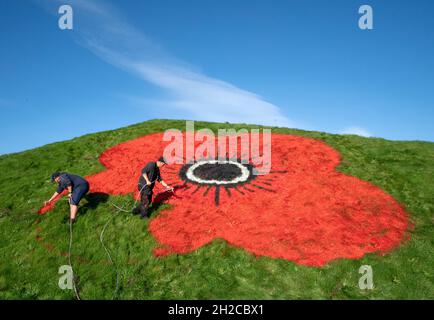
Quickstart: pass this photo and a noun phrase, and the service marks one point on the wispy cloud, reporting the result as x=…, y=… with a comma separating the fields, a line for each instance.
x=102, y=30
x=357, y=131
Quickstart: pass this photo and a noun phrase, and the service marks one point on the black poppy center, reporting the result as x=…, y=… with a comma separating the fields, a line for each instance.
x=217, y=171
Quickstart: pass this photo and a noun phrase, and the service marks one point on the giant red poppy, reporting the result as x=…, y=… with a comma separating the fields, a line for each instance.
x=303, y=210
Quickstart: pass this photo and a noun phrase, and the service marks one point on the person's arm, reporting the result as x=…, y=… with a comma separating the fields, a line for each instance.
x=65, y=183
x=59, y=190
x=55, y=194
x=145, y=176
x=166, y=185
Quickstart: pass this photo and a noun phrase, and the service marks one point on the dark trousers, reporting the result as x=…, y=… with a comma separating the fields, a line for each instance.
x=145, y=202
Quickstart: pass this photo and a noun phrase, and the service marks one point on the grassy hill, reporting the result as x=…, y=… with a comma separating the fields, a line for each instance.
x=33, y=247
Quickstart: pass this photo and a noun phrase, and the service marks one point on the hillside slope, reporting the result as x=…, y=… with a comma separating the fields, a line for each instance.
x=32, y=247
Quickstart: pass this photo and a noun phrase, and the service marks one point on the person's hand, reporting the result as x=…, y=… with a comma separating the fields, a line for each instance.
x=148, y=183
x=46, y=203
x=169, y=188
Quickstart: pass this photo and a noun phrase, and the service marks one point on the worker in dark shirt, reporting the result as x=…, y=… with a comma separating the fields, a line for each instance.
x=77, y=187
x=150, y=174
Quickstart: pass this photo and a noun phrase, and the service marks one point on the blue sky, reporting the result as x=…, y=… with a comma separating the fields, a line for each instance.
x=302, y=64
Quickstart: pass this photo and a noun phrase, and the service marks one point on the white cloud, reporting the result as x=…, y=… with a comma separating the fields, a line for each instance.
x=198, y=96
x=357, y=131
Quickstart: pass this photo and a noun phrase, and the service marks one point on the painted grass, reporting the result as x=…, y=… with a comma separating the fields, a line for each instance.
x=217, y=271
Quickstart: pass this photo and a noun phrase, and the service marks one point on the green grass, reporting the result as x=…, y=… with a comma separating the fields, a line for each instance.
x=216, y=271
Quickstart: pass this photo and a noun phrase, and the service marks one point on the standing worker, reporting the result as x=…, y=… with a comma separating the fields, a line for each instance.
x=77, y=187
x=150, y=174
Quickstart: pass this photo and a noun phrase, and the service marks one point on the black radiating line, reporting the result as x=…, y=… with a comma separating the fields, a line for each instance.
x=228, y=191
x=262, y=188
x=250, y=190
x=279, y=171
x=217, y=195
x=206, y=191
x=236, y=188
x=182, y=185
x=196, y=190
x=263, y=180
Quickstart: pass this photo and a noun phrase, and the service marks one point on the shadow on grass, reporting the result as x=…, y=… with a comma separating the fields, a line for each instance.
x=93, y=201
x=160, y=199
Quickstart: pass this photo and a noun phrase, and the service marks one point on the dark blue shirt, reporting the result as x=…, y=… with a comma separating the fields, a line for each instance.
x=70, y=180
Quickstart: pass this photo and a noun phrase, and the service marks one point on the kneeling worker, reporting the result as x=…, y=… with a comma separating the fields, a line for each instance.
x=150, y=174
x=77, y=187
